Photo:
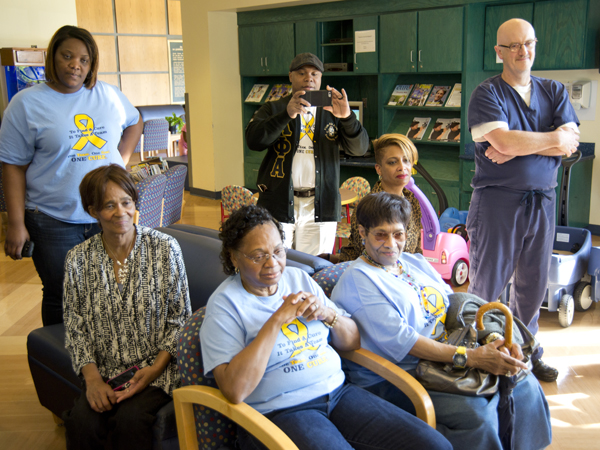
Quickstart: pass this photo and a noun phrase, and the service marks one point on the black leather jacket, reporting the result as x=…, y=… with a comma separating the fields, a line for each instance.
x=271, y=127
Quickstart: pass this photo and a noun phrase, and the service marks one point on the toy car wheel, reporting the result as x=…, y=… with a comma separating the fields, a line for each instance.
x=583, y=296
x=566, y=310
x=460, y=273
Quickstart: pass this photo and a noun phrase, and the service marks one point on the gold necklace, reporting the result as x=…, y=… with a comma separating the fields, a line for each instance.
x=123, y=270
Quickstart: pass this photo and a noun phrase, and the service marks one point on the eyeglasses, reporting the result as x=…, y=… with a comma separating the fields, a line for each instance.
x=515, y=46
x=382, y=237
x=261, y=258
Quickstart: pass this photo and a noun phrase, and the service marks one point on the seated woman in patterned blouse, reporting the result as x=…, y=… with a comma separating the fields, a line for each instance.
x=125, y=300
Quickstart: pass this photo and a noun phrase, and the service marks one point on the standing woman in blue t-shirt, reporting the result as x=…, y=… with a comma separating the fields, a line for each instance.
x=52, y=135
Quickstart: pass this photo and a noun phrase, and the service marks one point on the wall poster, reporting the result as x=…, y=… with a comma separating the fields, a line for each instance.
x=176, y=76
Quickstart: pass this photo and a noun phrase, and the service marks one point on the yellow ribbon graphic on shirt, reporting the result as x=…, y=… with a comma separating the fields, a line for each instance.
x=86, y=124
x=299, y=339
x=308, y=128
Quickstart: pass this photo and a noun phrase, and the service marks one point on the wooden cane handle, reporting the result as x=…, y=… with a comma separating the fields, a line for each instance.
x=508, y=328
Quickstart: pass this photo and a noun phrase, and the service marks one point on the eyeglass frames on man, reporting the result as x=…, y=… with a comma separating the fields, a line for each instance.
x=515, y=46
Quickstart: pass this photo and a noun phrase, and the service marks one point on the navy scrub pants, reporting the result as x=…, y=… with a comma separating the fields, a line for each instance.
x=512, y=232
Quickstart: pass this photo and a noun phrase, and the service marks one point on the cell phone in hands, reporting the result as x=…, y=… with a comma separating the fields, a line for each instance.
x=317, y=98
x=121, y=381
x=27, y=249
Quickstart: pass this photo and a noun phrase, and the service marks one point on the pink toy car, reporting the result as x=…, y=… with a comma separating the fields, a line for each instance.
x=447, y=252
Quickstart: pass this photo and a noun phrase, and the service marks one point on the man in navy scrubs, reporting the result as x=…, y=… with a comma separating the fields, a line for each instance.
x=522, y=125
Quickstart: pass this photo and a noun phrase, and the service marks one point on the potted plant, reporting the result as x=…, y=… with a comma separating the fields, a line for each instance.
x=175, y=123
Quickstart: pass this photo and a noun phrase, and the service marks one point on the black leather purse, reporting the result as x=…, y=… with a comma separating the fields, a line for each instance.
x=460, y=327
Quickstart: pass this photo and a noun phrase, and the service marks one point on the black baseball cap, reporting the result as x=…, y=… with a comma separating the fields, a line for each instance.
x=306, y=59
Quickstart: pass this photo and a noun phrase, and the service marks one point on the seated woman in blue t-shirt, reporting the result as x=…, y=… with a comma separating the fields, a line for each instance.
x=265, y=339
x=399, y=303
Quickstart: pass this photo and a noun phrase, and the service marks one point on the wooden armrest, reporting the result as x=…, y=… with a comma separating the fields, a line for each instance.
x=242, y=414
x=399, y=378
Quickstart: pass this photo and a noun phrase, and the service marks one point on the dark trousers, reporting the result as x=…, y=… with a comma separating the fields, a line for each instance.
x=52, y=241
x=348, y=418
x=127, y=426
x=511, y=233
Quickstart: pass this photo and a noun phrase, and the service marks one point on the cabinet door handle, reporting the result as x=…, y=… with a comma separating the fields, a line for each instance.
x=355, y=59
x=261, y=62
x=419, y=55
x=266, y=61
x=411, y=52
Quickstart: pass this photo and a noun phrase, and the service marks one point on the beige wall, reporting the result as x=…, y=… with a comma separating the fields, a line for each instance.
x=590, y=130
x=213, y=83
x=23, y=24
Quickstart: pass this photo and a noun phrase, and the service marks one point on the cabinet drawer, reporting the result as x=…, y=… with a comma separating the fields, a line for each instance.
x=465, y=201
x=468, y=171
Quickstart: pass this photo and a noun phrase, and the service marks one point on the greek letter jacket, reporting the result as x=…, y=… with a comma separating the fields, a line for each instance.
x=272, y=128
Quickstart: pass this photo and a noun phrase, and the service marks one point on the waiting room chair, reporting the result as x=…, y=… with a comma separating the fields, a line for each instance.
x=233, y=198
x=173, y=206
x=362, y=188
x=151, y=192
x=205, y=416
x=155, y=136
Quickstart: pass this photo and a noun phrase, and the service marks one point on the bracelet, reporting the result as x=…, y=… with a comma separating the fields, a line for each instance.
x=333, y=322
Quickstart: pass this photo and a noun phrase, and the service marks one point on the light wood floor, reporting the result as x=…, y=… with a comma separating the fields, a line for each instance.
x=25, y=424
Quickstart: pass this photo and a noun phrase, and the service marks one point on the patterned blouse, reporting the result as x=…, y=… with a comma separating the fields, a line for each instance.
x=355, y=246
x=117, y=331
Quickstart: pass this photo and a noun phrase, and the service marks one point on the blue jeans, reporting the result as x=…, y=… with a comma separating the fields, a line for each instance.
x=350, y=417
x=52, y=241
x=472, y=422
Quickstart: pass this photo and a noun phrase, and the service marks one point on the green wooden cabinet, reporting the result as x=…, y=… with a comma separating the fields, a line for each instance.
x=306, y=37
x=337, y=41
x=398, y=42
x=266, y=49
x=425, y=41
x=496, y=16
x=251, y=50
x=440, y=40
x=366, y=62
x=561, y=27
x=566, y=41
x=467, y=174
x=450, y=189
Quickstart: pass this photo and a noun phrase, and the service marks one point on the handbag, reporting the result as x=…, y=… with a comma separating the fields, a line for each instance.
x=460, y=319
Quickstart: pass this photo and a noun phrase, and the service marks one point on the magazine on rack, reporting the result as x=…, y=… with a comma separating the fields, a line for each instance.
x=454, y=98
x=442, y=129
x=279, y=91
x=400, y=94
x=438, y=96
x=417, y=128
x=419, y=94
x=257, y=93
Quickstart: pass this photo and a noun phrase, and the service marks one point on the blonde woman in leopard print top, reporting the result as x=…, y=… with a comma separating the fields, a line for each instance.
x=395, y=156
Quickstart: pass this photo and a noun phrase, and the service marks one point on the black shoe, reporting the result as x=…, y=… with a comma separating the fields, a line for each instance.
x=544, y=372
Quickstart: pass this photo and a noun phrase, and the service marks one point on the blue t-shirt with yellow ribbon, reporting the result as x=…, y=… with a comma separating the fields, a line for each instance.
x=392, y=312
x=62, y=137
x=302, y=365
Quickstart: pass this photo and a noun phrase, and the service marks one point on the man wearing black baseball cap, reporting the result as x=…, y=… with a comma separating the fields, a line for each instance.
x=300, y=176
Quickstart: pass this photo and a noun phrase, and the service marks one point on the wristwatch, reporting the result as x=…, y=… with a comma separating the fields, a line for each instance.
x=460, y=358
